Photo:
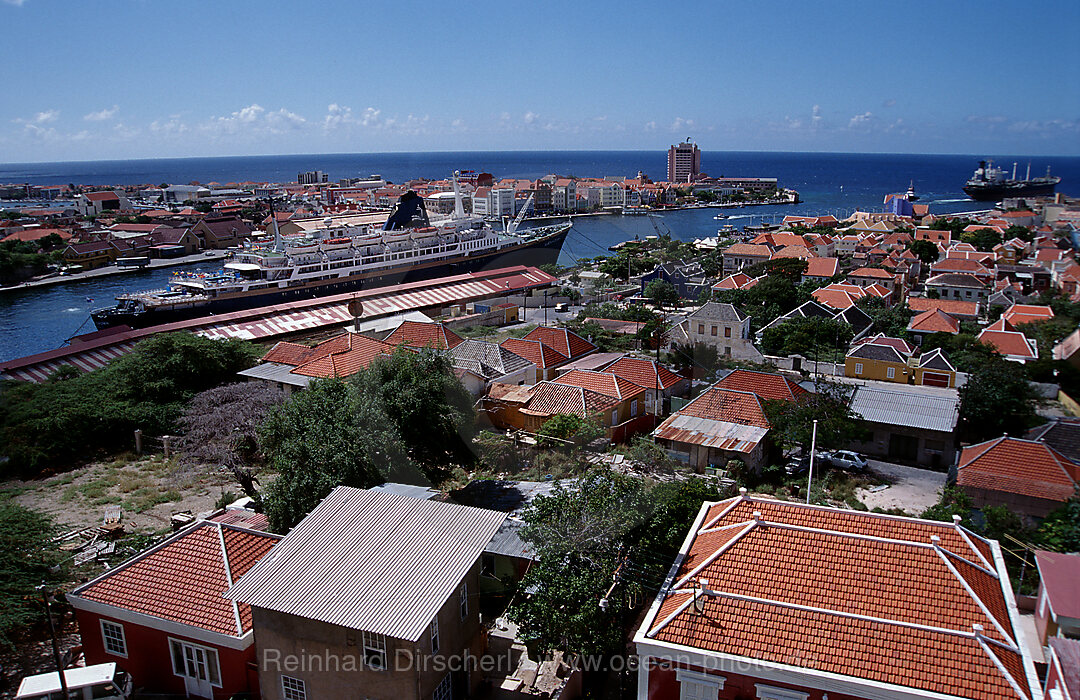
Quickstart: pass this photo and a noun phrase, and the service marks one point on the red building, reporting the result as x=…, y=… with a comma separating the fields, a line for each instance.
x=783, y=601
x=161, y=615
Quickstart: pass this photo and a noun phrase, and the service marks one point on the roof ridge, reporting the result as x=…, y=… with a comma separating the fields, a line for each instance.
x=984, y=644
x=229, y=579
x=941, y=552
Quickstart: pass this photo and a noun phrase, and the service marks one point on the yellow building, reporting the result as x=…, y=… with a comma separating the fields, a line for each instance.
x=881, y=358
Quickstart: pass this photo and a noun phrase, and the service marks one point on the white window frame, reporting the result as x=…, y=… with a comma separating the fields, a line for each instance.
x=213, y=670
x=435, y=635
x=858, y=368
x=614, y=417
x=105, y=639
x=463, y=600
x=293, y=688
x=769, y=692
x=633, y=408
x=890, y=372
x=375, y=643
x=698, y=681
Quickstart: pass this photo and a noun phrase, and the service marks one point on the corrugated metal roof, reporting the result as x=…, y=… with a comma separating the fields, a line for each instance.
x=276, y=372
x=284, y=319
x=710, y=433
x=906, y=408
x=371, y=561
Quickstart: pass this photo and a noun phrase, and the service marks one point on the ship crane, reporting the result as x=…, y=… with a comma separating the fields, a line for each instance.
x=521, y=215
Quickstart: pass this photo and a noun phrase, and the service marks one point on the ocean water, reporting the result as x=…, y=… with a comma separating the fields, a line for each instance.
x=34, y=321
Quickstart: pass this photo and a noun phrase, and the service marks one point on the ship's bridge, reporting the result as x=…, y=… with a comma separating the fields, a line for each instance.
x=249, y=271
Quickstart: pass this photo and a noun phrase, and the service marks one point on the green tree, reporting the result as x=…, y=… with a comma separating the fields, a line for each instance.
x=326, y=436
x=75, y=416
x=661, y=292
x=27, y=559
x=925, y=250
x=694, y=359
x=890, y=320
x=792, y=422
x=807, y=336
x=1022, y=232
x=1060, y=531
x=583, y=535
x=431, y=409
x=996, y=400
x=568, y=426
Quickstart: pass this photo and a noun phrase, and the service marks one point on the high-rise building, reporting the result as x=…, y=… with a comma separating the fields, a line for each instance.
x=312, y=177
x=683, y=162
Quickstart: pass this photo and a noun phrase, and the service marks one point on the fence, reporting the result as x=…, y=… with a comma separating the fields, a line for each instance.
x=166, y=444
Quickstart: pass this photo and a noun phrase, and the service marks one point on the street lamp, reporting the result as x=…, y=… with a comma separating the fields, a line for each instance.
x=810, y=473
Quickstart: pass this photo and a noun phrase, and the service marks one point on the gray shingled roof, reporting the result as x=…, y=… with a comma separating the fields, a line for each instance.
x=936, y=359
x=370, y=561
x=714, y=311
x=487, y=360
x=873, y=351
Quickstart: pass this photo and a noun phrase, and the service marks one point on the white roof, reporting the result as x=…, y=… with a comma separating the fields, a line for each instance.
x=373, y=561
x=75, y=677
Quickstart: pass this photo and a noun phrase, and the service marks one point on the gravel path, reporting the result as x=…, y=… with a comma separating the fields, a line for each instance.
x=911, y=489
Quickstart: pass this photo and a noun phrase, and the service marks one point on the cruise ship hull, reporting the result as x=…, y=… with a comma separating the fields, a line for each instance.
x=540, y=251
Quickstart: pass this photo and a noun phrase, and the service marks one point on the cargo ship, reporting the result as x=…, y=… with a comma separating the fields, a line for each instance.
x=990, y=184
x=410, y=246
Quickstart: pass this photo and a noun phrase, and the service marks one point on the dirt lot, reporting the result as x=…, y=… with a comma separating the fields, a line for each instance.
x=149, y=489
x=910, y=489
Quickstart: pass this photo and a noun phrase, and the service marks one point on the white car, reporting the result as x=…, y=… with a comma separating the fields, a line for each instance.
x=847, y=460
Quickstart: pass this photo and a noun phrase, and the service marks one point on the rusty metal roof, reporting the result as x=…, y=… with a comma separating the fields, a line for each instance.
x=719, y=434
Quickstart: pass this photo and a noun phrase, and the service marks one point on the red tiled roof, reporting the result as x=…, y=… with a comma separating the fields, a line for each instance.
x=101, y=196
x=763, y=384
x=290, y=353
x=359, y=352
x=949, y=306
x=1007, y=342
x=535, y=352
x=566, y=342
x=419, y=334
x=646, y=373
x=610, y=385
x=934, y=321
x=748, y=249
x=184, y=579
x=865, y=596
x=551, y=398
x=728, y=405
x=1012, y=465
x=872, y=272
x=822, y=267
x=1027, y=313
x=33, y=234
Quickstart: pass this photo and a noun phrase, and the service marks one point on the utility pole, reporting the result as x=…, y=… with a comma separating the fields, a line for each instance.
x=55, y=644
x=810, y=474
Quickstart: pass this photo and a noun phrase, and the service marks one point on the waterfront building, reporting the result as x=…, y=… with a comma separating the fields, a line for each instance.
x=683, y=162
x=312, y=177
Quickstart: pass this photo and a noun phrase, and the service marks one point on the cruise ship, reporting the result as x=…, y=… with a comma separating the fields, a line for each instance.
x=336, y=259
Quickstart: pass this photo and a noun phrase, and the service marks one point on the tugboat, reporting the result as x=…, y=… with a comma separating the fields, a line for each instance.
x=910, y=194
x=989, y=184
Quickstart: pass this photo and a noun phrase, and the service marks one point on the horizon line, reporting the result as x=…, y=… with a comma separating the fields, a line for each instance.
x=450, y=151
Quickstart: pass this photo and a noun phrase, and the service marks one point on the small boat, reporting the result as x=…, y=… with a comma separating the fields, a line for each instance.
x=720, y=217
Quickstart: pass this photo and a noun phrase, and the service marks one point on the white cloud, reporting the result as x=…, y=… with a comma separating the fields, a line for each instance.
x=283, y=120
x=650, y=126
x=338, y=116
x=531, y=117
x=169, y=128
x=46, y=117
x=16, y=3
x=815, y=116
x=103, y=115
x=681, y=123
x=860, y=120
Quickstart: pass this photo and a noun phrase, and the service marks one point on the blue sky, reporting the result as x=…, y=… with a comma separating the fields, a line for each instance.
x=135, y=79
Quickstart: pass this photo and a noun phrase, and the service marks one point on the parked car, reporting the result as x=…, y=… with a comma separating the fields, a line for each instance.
x=847, y=460
x=562, y=306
